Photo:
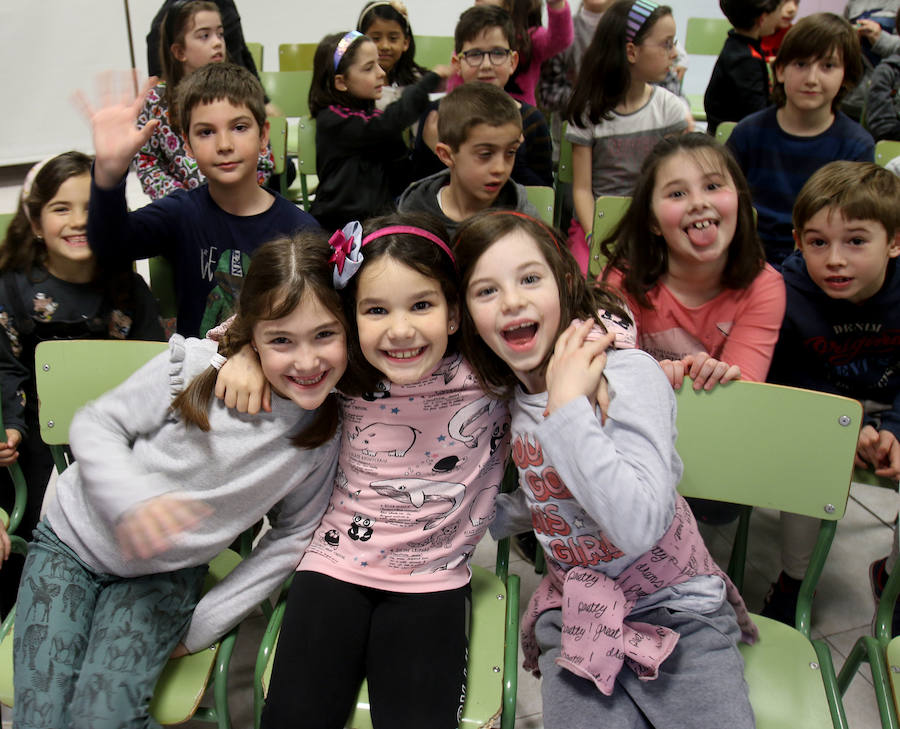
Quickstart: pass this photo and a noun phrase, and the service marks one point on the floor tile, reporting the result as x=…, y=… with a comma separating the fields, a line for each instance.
x=879, y=501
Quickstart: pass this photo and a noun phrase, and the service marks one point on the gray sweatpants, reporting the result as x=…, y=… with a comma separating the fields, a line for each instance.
x=700, y=685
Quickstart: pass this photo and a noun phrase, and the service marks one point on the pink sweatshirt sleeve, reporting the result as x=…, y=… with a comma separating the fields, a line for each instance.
x=754, y=333
x=555, y=38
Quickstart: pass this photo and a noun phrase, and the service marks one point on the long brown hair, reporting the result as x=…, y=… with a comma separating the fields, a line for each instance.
x=578, y=298
x=172, y=31
x=643, y=256
x=282, y=274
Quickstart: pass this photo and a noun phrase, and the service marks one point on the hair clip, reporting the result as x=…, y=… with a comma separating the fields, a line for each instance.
x=637, y=17
x=397, y=5
x=343, y=44
x=347, y=256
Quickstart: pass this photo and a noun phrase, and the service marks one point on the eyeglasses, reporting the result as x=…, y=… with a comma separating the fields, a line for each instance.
x=668, y=46
x=475, y=57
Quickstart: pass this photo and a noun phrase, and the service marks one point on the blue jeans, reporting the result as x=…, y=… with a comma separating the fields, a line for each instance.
x=88, y=647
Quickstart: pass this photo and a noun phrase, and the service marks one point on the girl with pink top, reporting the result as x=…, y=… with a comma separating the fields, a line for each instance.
x=382, y=592
x=690, y=265
x=533, y=42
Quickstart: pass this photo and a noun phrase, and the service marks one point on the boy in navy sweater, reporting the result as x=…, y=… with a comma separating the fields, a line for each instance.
x=841, y=330
x=207, y=233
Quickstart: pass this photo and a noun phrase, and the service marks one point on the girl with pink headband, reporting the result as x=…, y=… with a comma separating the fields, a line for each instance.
x=382, y=591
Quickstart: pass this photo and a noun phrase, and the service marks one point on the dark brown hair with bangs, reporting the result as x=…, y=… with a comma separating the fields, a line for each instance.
x=214, y=82
x=283, y=273
x=815, y=37
x=579, y=299
x=173, y=30
x=857, y=190
x=643, y=256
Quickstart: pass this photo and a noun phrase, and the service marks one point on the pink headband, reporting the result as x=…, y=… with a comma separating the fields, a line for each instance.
x=410, y=230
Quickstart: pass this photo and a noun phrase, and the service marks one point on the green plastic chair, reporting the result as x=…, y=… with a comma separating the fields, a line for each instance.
x=296, y=56
x=608, y=211
x=12, y=519
x=541, y=197
x=162, y=286
x=434, y=50
x=724, y=130
x=879, y=650
x=492, y=669
x=739, y=444
x=306, y=160
x=278, y=138
x=69, y=373
x=704, y=37
x=885, y=151
x=289, y=90
x=5, y=220
x=256, y=52
x=563, y=173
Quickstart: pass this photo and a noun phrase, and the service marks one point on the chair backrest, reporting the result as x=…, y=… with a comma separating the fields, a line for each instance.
x=278, y=129
x=296, y=56
x=542, y=198
x=5, y=220
x=885, y=151
x=706, y=36
x=71, y=372
x=608, y=211
x=724, y=130
x=564, y=166
x=162, y=285
x=288, y=90
x=256, y=52
x=434, y=50
x=765, y=445
x=306, y=155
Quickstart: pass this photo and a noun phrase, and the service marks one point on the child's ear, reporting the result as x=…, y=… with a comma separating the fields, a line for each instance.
x=177, y=50
x=894, y=246
x=455, y=63
x=339, y=82
x=444, y=153
x=453, y=319
x=187, y=144
x=797, y=239
x=36, y=229
x=514, y=60
x=631, y=52
x=779, y=74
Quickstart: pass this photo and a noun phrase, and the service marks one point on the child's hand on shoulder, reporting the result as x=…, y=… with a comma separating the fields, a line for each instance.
x=9, y=451
x=242, y=385
x=150, y=527
x=707, y=372
x=117, y=138
x=576, y=368
x=879, y=451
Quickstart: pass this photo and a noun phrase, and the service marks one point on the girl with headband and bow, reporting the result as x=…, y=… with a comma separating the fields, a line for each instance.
x=382, y=592
x=361, y=158
x=613, y=125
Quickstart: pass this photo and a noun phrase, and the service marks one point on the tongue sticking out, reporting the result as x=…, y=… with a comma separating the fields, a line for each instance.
x=703, y=236
x=520, y=334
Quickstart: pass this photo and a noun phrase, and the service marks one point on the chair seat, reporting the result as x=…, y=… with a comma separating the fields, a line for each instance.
x=4, y=518
x=697, y=110
x=485, y=667
x=182, y=682
x=785, y=691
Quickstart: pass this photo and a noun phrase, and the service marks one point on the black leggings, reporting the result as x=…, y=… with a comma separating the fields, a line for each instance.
x=411, y=646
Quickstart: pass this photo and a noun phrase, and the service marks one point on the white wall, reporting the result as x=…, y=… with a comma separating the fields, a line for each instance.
x=49, y=49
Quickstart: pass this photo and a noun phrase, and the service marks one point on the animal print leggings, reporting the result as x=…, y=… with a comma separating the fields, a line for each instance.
x=88, y=647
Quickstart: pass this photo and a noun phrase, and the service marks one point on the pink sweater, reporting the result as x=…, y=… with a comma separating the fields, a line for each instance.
x=545, y=43
x=739, y=326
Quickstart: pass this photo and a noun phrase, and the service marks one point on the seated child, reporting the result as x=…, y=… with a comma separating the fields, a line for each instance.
x=361, y=158
x=771, y=43
x=165, y=478
x=874, y=20
x=387, y=24
x=192, y=36
x=484, y=37
x=739, y=84
x=780, y=147
x=52, y=288
x=210, y=232
x=480, y=129
x=840, y=331
x=882, y=102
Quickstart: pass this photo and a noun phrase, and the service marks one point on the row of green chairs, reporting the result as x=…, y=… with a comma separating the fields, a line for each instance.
x=431, y=50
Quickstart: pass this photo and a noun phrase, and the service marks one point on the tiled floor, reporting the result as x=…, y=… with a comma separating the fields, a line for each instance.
x=843, y=606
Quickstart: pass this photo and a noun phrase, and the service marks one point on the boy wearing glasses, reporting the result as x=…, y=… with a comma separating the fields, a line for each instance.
x=780, y=147
x=483, y=53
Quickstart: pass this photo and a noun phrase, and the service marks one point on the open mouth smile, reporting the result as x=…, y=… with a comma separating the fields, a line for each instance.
x=404, y=354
